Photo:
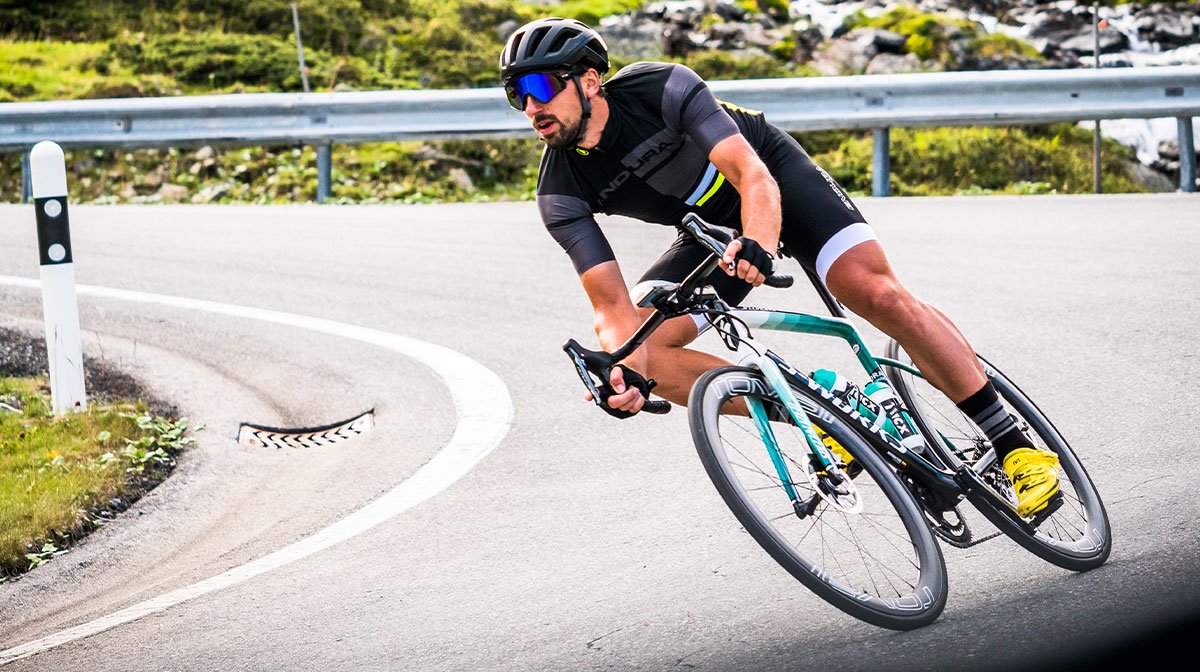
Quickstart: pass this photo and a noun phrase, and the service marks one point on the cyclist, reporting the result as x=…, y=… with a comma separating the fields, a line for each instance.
x=653, y=143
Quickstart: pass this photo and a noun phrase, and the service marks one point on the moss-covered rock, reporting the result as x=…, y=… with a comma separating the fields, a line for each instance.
x=952, y=43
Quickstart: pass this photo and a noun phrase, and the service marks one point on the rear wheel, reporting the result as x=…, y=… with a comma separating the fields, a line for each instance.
x=871, y=554
x=1075, y=536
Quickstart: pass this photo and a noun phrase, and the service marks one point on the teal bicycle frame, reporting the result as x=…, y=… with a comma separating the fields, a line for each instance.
x=906, y=449
x=909, y=452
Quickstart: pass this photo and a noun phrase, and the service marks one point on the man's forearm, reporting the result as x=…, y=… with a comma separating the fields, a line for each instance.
x=613, y=328
x=761, y=213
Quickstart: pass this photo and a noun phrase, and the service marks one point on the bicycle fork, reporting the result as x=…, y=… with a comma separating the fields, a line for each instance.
x=827, y=477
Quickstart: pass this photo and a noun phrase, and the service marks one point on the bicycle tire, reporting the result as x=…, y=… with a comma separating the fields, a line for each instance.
x=1077, y=536
x=881, y=566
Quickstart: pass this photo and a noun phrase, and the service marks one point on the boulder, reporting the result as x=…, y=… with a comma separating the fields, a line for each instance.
x=1169, y=150
x=462, y=179
x=881, y=41
x=1149, y=178
x=1110, y=41
x=1167, y=26
x=843, y=57
x=634, y=40
x=172, y=193
x=890, y=64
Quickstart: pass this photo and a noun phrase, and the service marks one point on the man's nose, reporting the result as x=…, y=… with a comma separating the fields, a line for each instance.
x=532, y=106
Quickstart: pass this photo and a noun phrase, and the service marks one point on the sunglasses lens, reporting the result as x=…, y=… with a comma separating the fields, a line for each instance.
x=542, y=86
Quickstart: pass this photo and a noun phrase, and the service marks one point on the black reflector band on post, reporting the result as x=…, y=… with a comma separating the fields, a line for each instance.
x=54, y=233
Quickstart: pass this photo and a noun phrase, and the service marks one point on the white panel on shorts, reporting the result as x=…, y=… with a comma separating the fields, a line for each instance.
x=841, y=241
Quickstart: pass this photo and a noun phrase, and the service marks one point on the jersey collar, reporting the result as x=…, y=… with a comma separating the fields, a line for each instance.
x=612, y=128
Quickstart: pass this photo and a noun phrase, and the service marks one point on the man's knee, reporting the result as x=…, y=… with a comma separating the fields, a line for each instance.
x=880, y=297
x=884, y=297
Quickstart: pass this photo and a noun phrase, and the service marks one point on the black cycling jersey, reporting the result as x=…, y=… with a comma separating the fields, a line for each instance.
x=652, y=164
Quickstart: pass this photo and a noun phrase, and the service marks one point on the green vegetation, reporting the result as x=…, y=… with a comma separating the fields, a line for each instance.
x=58, y=475
x=588, y=11
x=940, y=161
x=406, y=172
x=103, y=48
x=202, y=62
x=67, y=70
x=714, y=65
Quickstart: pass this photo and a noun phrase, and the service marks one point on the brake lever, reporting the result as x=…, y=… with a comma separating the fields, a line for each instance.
x=697, y=227
x=573, y=349
x=579, y=357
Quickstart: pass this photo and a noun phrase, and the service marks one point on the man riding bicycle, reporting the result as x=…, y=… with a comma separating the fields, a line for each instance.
x=653, y=143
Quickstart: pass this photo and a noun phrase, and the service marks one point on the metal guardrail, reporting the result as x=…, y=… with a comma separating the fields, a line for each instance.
x=878, y=102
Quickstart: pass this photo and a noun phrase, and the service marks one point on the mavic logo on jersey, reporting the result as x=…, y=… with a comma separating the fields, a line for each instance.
x=630, y=171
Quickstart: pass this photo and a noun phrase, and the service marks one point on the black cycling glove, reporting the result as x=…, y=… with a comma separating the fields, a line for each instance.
x=632, y=379
x=758, y=257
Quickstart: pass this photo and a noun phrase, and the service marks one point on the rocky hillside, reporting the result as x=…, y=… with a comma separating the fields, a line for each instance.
x=105, y=48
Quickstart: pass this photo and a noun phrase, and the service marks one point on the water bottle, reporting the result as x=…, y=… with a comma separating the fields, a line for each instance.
x=882, y=397
x=877, y=393
x=868, y=401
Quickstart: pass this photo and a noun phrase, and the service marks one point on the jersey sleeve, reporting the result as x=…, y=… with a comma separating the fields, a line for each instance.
x=690, y=107
x=569, y=217
x=570, y=221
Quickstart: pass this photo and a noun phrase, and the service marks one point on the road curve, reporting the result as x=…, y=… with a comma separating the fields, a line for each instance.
x=581, y=542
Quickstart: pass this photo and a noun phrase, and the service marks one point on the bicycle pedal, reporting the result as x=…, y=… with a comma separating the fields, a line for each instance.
x=1052, y=506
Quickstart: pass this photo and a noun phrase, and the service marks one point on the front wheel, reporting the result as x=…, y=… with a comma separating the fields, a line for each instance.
x=1076, y=536
x=877, y=561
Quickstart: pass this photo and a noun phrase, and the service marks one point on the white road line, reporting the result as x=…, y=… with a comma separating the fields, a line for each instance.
x=484, y=412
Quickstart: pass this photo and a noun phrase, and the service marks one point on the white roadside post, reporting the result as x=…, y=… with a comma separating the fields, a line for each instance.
x=64, y=348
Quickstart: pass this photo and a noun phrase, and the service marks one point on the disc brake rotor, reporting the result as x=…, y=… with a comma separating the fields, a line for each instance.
x=839, y=491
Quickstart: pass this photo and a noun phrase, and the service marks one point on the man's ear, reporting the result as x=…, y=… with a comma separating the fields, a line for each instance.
x=591, y=82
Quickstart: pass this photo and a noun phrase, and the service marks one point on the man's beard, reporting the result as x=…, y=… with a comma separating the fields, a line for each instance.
x=563, y=137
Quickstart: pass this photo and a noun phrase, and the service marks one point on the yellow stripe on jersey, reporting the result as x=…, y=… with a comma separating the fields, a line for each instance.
x=711, y=190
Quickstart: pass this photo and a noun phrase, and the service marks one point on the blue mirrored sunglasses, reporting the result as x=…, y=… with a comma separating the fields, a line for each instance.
x=543, y=86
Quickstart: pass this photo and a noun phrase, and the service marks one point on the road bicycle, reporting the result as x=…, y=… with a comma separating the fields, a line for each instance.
x=849, y=492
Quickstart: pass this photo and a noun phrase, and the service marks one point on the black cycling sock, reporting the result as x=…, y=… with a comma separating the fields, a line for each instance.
x=986, y=411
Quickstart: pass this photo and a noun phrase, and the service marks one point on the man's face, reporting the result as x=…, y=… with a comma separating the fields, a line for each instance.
x=556, y=122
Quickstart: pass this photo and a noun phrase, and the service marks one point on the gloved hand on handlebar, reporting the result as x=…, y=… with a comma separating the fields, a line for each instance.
x=625, y=392
x=746, y=259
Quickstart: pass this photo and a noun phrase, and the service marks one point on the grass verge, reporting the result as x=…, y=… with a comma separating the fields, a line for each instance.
x=62, y=476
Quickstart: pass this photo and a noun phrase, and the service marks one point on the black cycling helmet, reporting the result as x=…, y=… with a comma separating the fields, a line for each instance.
x=552, y=44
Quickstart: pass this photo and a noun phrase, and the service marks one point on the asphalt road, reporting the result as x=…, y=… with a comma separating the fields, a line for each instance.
x=581, y=542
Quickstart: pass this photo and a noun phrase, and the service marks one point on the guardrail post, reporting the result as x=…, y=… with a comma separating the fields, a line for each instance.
x=1187, y=155
x=60, y=306
x=324, y=170
x=26, y=178
x=881, y=164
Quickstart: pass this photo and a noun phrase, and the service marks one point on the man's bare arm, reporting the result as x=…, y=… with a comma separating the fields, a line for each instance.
x=615, y=320
x=761, y=213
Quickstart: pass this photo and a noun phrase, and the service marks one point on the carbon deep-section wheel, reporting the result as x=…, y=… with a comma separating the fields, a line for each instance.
x=872, y=556
x=1076, y=536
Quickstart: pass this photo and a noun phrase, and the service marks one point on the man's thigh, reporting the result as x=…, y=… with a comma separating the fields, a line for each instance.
x=820, y=222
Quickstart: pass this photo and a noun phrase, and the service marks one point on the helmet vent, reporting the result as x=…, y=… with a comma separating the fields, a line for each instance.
x=560, y=41
x=535, y=40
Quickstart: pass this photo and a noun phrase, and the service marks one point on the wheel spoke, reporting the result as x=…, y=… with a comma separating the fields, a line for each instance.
x=1064, y=536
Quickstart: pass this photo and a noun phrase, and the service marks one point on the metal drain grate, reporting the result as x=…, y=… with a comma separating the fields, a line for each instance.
x=258, y=436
